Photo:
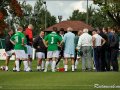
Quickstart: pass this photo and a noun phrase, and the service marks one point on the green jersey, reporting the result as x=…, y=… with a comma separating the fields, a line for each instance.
x=53, y=39
x=17, y=38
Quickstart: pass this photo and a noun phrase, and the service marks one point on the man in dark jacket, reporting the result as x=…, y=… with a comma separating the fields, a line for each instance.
x=40, y=47
x=114, y=46
x=8, y=48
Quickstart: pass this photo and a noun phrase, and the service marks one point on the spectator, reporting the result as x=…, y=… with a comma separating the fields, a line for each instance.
x=77, y=57
x=85, y=43
x=8, y=48
x=39, y=45
x=114, y=46
x=97, y=41
x=29, y=36
x=69, y=49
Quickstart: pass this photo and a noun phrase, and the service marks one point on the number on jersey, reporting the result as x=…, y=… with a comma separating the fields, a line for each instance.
x=52, y=40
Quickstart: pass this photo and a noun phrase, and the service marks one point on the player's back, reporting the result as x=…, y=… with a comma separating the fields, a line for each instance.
x=17, y=38
x=53, y=38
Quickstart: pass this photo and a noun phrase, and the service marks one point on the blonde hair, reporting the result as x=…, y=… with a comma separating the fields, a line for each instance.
x=20, y=28
x=30, y=26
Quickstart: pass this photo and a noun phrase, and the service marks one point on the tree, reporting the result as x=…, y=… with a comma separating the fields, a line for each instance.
x=7, y=8
x=111, y=8
x=39, y=19
x=96, y=18
x=76, y=15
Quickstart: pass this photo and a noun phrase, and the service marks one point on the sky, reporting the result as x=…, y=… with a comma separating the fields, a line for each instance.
x=63, y=7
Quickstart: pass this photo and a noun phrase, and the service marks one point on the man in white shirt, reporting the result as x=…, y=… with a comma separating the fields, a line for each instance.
x=85, y=43
x=97, y=41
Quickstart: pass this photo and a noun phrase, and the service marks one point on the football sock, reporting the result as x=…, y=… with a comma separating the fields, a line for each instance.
x=43, y=64
x=25, y=65
x=17, y=65
x=66, y=67
x=30, y=65
x=6, y=68
x=73, y=67
x=38, y=67
x=46, y=65
x=53, y=65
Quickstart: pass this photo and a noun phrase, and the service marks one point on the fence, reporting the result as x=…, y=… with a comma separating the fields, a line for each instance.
x=2, y=43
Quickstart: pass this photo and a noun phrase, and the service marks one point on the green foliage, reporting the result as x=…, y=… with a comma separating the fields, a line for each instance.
x=36, y=16
x=76, y=15
x=39, y=12
x=110, y=8
x=96, y=18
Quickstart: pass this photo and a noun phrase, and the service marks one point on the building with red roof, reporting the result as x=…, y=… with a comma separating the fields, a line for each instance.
x=76, y=25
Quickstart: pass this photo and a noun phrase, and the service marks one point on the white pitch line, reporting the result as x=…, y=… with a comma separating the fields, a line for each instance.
x=47, y=85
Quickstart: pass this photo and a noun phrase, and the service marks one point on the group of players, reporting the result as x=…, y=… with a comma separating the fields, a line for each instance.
x=52, y=47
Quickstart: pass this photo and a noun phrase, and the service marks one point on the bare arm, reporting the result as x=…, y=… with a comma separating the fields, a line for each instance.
x=93, y=41
x=103, y=41
x=45, y=43
x=12, y=42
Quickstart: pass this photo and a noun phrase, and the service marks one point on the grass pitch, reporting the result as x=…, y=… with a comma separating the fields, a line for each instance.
x=59, y=80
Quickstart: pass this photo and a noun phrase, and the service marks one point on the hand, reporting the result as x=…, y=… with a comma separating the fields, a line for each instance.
x=76, y=49
x=38, y=46
x=23, y=44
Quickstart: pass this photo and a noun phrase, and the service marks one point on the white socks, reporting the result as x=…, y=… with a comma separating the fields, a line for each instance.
x=46, y=66
x=17, y=65
x=43, y=64
x=25, y=65
x=66, y=67
x=6, y=68
x=30, y=65
x=53, y=66
x=38, y=67
x=73, y=67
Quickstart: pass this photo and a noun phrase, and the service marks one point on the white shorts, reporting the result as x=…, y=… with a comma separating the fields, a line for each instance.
x=29, y=50
x=51, y=54
x=40, y=55
x=9, y=53
x=20, y=54
x=68, y=55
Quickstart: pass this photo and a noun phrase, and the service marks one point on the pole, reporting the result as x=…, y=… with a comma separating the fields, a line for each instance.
x=45, y=15
x=87, y=13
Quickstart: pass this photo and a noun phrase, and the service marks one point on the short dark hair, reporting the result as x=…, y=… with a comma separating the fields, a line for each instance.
x=61, y=29
x=106, y=29
x=9, y=30
x=55, y=29
x=94, y=30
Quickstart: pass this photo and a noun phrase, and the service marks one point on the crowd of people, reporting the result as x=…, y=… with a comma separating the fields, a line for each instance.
x=99, y=49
